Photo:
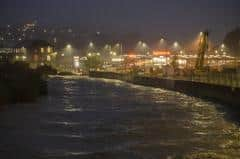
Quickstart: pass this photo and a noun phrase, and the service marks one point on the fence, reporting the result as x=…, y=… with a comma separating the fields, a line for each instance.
x=219, y=78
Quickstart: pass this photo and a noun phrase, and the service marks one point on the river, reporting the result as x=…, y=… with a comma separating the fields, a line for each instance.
x=108, y=119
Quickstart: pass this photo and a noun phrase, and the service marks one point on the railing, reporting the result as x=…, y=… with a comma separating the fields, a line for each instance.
x=226, y=79
x=230, y=79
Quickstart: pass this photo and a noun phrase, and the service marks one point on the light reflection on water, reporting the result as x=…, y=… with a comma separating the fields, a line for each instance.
x=90, y=118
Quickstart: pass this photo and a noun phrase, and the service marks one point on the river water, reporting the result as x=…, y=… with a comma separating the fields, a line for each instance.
x=108, y=119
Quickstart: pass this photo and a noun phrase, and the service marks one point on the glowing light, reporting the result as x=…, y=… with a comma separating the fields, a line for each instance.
x=113, y=53
x=49, y=50
x=24, y=57
x=48, y=58
x=161, y=53
x=132, y=56
x=69, y=46
x=176, y=44
x=144, y=45
x=89, y=54
x=140, y=63
x=117, y=59
x=182, y=62
x=91, y=44
x=106, y=47
x=223, y=46
x=76, y=61
x=42, y=50
x=160, y=61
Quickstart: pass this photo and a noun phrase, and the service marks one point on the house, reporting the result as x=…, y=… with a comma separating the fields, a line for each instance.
x=37, y=52
x=8, y=55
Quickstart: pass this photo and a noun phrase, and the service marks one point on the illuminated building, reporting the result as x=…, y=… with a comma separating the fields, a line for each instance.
x=7, y=54
x=76, y=62
x=37, y=52
x=161, y=58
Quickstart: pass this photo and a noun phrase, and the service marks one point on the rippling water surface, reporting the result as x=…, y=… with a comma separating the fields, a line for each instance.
x=108, y=119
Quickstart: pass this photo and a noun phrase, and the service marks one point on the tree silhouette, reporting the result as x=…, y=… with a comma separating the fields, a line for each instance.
x=232, y=41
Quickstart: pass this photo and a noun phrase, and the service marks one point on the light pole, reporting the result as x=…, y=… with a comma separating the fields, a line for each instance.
x=91, y=48
x=69, y=49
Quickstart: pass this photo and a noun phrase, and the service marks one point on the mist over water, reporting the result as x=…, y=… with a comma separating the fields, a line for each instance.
x=90, y=118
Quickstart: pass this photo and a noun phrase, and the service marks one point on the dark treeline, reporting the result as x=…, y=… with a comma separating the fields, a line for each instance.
x=19, y=83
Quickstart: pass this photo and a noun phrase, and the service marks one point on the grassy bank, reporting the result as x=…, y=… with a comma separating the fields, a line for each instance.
x=19, y=83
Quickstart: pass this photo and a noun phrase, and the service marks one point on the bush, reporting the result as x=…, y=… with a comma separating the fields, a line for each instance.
x=47, y=70
x=19, y=83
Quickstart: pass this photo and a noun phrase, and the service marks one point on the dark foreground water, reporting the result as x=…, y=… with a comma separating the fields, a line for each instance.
x=108, y=119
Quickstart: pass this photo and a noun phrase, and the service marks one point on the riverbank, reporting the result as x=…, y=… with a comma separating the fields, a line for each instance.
x=19, y=83
x=216, y=93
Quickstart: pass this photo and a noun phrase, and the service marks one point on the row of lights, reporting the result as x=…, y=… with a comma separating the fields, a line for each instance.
x=176, y=45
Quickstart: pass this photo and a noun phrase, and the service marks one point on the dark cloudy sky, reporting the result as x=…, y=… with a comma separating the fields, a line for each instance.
x=173, y=18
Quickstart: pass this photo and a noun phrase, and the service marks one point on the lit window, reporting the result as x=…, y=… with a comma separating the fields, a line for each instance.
x=49, y=49
x=48, y=58
x=42, y=50
x=24, y=58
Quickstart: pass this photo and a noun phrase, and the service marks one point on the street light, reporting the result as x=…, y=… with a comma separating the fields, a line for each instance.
x=91, y=44
x=162, y=40
x=140, y=43
x=176, y=44
x=107, y=47
x=68, y=50
x=144, y=45
x=223, y=46
x=69, y=46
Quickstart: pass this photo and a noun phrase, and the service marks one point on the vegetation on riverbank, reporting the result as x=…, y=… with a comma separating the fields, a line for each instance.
x=209, y=155
x=65, y=74
x=19, y=83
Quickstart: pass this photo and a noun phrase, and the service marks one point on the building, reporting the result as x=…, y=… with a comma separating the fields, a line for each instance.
x=37, y=52
x=8, y=55
x=161, y=58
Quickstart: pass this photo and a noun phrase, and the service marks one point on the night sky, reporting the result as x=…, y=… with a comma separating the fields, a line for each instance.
x=175, y=19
